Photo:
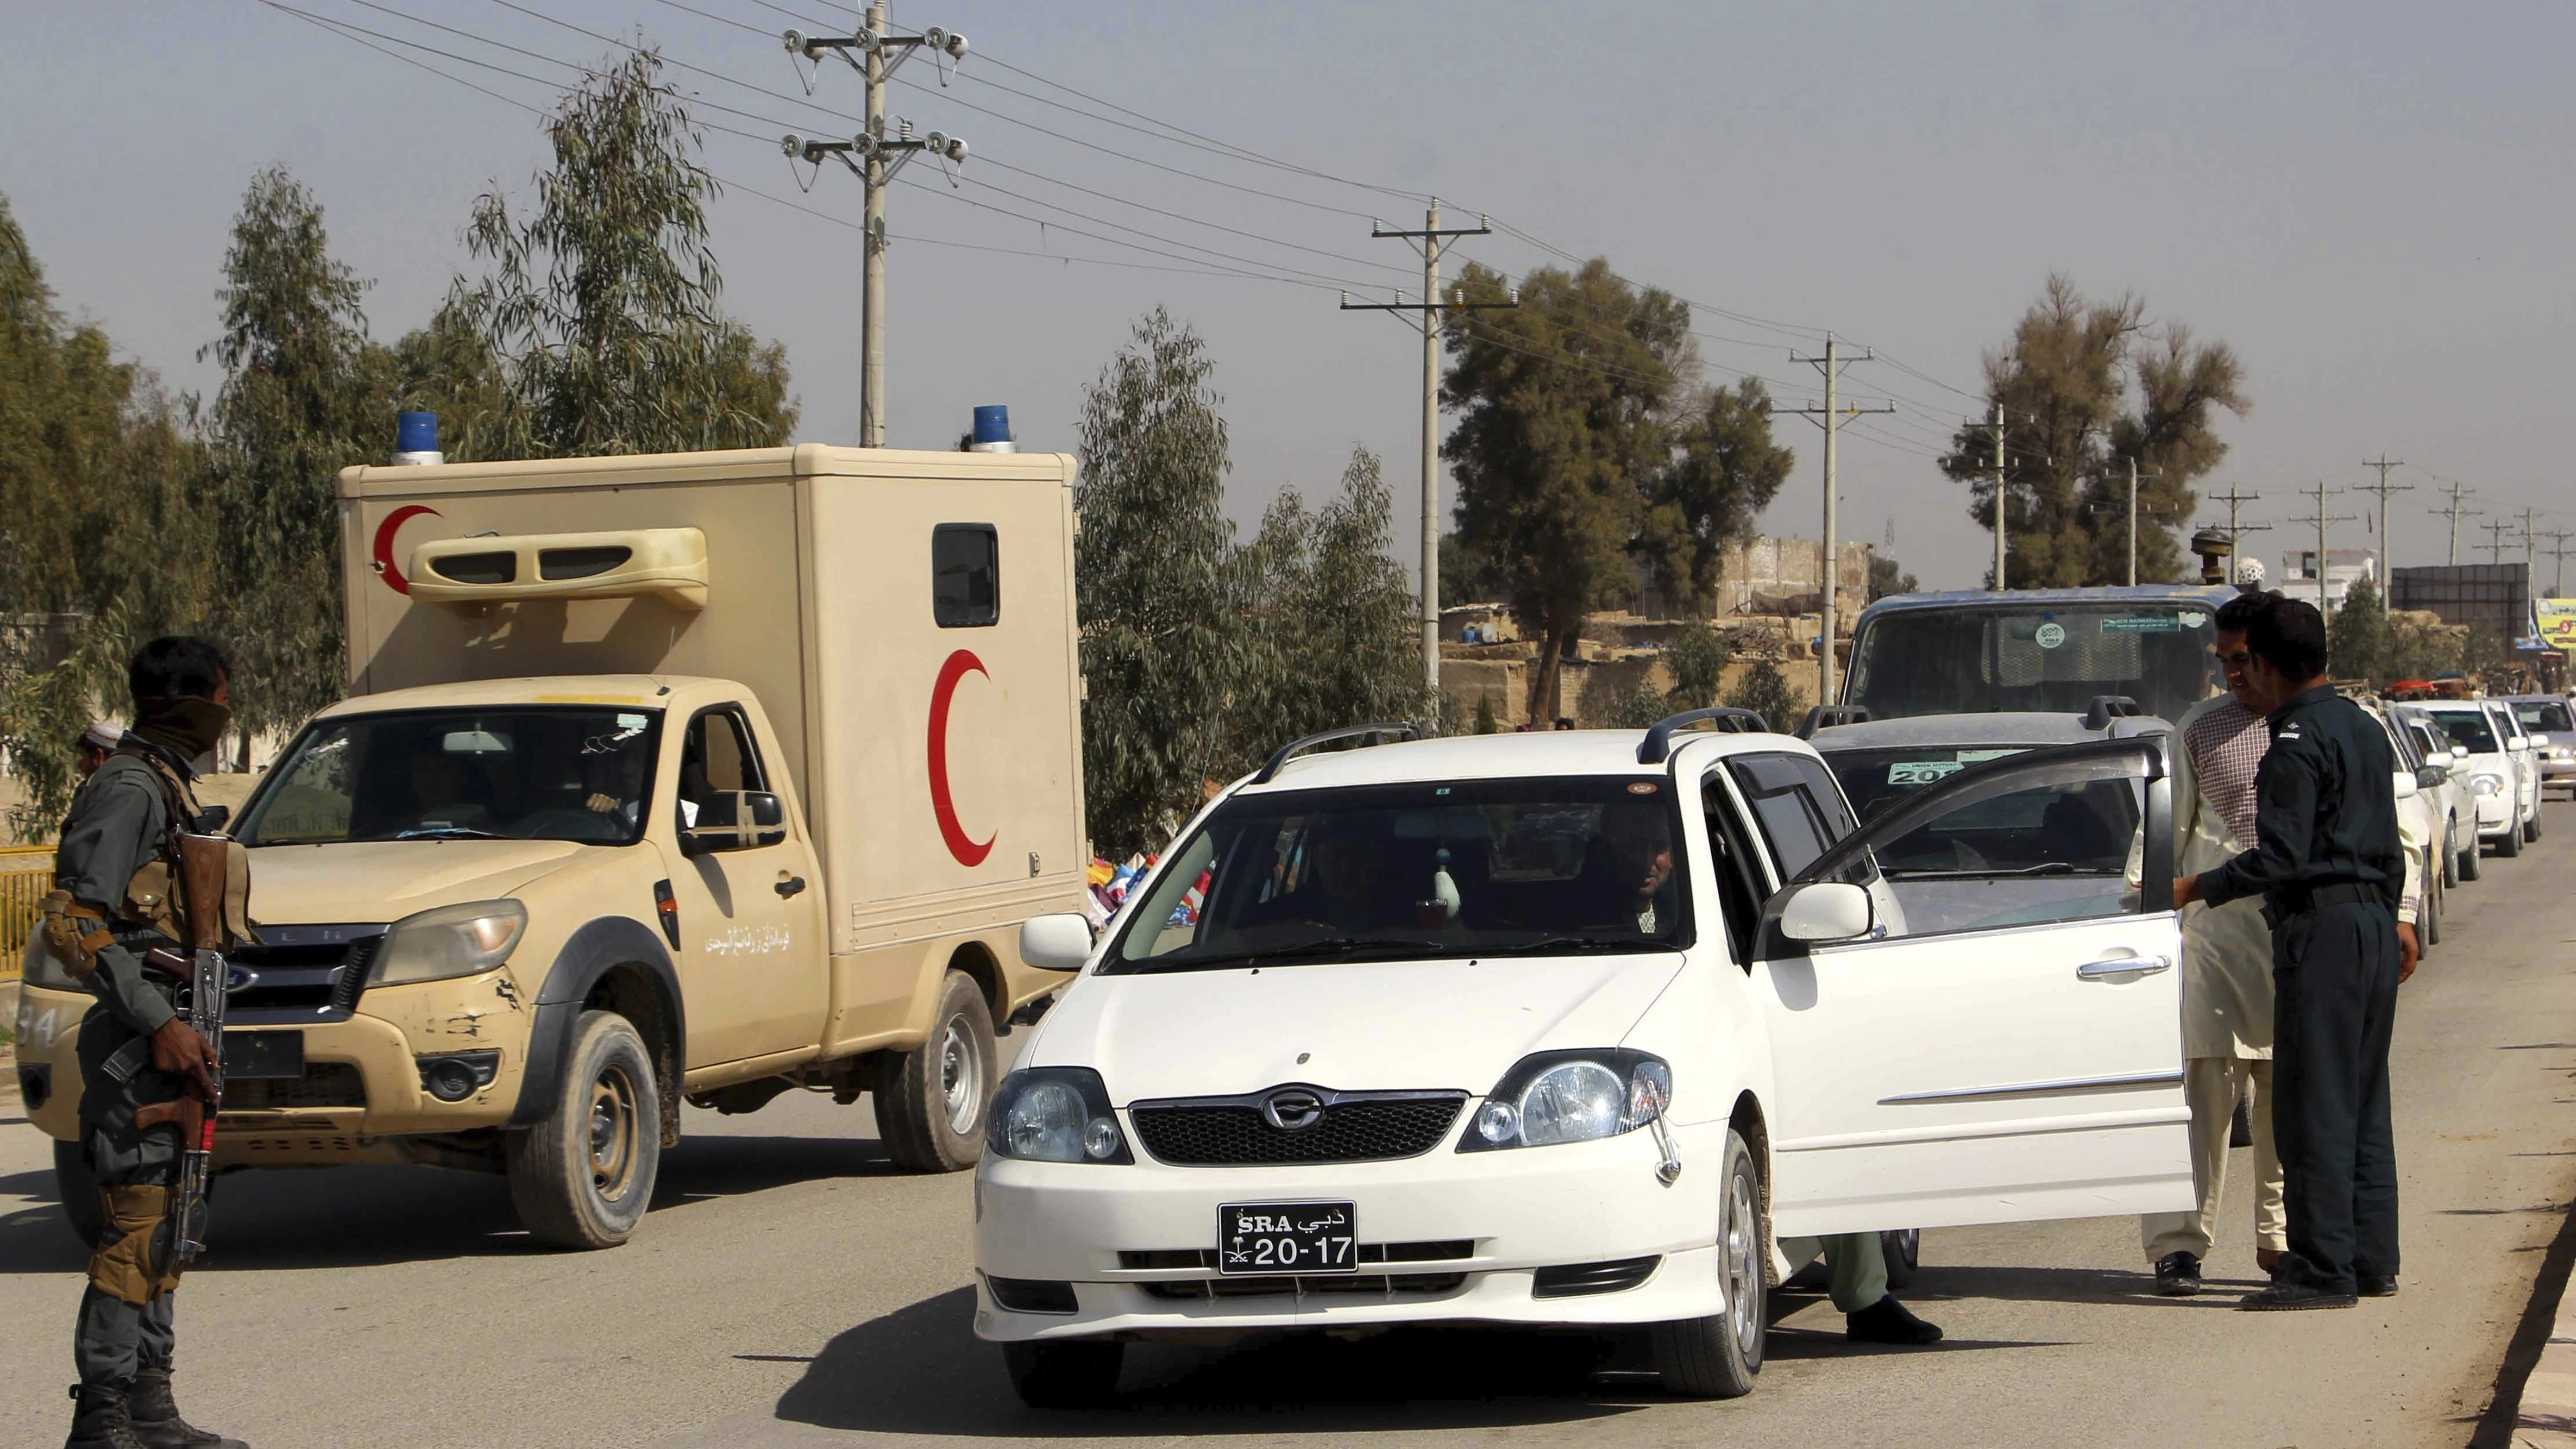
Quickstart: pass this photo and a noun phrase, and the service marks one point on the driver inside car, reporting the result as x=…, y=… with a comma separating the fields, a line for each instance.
x=1632, y=866
x=440, y=783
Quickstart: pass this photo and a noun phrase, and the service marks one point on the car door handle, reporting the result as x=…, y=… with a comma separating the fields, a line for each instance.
x=790, y=885
x=2118, y=967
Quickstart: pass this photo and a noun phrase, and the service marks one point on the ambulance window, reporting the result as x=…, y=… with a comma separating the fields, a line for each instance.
x=965, y=575
x=717, y=754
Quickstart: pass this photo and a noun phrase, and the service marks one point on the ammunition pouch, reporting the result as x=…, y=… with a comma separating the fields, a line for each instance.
x=149, y=901
x=134, y=1262
x=73, y=933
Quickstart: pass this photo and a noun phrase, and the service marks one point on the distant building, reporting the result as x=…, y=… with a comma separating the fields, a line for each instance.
x=2344, y=568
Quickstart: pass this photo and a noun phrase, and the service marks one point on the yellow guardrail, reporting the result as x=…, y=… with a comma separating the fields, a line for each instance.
x=26, y=873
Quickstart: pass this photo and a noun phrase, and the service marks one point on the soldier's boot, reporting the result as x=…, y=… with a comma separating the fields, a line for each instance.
x=156, y=1417
x=101, y=1420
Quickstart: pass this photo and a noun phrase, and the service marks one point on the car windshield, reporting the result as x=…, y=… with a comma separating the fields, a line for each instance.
x=2469, y=729
x=2077, y=829
x=535, y=773
x=1560, y=865
x=2042, y=657
x=2545, y=715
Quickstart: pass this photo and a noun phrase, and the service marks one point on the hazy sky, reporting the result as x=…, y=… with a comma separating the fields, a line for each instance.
x=2371, y=202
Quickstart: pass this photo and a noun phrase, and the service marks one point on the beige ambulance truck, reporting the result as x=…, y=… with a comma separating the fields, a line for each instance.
x=702, y=776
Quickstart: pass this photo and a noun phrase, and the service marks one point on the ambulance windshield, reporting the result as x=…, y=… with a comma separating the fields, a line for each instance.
x=529, y=773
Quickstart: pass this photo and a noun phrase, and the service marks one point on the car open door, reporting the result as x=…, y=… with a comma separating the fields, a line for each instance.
x=1965, y=1036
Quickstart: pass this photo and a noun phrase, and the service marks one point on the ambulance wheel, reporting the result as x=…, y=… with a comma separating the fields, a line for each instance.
x=1716, y=1357
x=582, y=1177
x=78, y=1190
x=931, y=1102
x=1078, y=1373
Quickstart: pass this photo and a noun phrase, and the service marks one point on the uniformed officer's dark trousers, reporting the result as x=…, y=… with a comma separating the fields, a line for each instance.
x=115, y=1339
x=2334, y=978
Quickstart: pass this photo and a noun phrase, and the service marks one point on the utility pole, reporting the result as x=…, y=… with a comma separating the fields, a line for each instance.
x=2387, y=549
x=1429, y=310
x=2455, y=513
x=2234, y=501
x=1830, y=417
x=874, y=159
x=2322, y=521
x=2133, y=517
x=2495, y=538
x=1998, y=426
x=2559, y=537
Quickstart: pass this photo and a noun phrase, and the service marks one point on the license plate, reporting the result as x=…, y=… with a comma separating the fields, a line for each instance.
x=251, y=1056
x=1287, y=1237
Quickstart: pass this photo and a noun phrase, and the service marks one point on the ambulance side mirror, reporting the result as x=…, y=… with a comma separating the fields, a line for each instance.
x=735, y=820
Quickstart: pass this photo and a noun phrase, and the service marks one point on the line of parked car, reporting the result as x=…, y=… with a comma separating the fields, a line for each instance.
x=2482, y=768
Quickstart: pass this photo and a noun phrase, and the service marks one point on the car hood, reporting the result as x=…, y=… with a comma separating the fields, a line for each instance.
x=1351, y=1026
x=386, y=880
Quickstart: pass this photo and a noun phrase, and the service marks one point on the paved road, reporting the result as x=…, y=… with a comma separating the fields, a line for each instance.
x=790, y=1289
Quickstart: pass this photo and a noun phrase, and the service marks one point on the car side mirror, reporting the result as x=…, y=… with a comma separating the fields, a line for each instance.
x=2406, y=785
x=1056, y=943
x=2432, y=777
x=2516, y=744
x=735, y=820
x=2538, y=740
x=2441, y=760
x=1827, y=910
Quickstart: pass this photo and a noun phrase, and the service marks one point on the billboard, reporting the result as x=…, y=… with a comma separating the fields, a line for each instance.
x=2557, y=623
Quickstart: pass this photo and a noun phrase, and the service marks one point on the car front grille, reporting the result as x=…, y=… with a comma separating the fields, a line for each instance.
x=1347, y=1127
x=300, y=975
x=1441, y=1251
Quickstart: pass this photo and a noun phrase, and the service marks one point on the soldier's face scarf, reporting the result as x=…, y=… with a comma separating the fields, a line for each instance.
x=188, y=725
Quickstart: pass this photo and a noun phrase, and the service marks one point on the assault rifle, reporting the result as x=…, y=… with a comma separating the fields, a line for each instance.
x=204, y=869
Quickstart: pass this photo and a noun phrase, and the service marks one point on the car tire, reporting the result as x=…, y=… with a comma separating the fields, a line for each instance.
x=2509, y=844
x=582, y=1177
x=931, y=1102
x=77, y=1187
x=1716, y=1357
x=2469, y=859
x=2428, y=920
x=2531, y=827
x=2450, y=855
x=1903, y=1249
x=1074, y=1373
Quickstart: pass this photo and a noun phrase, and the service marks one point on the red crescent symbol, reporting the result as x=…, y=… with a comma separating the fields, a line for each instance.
x=968, y=852
x=385, y=544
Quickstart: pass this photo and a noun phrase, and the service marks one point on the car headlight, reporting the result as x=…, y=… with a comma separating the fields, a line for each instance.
x=1570, y=1096
x=2485, y=784
x=449, y=941
x=1055, y=1114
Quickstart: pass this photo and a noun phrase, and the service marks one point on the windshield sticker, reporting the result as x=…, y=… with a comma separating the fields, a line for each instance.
x=1921, y=772
x=1642, y=787
x=2143, y=624
x=630, y=721
x=2049, y=635
x=2192, y=618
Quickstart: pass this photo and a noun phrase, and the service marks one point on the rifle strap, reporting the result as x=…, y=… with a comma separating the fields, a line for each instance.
x=179, y=806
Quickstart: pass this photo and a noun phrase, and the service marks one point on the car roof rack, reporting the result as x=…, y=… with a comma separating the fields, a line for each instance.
x=1658, y=744
x=1279, y=757
x=2108, y=707
x=1826, y=716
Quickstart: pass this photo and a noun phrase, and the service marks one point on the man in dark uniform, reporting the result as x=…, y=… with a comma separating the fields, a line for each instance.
x=2330, y=867
x=115, y=872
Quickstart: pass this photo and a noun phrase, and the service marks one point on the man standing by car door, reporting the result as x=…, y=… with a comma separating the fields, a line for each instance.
x=2226, y=968
x=2330, y=867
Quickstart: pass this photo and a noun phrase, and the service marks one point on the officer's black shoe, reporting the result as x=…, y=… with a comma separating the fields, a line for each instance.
x=156, y=1417
x=101, y=1420
x=2377, y=1285
x=1887, y=1321
x=2285, y=1296
x=2178, y=1275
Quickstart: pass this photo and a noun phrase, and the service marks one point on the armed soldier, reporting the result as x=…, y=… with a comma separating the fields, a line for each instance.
x=116, y=898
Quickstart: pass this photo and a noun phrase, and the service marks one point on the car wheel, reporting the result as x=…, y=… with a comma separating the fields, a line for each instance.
x=2450, y=855
x=1903, y=1249
x=1075, y=1373
x=2428, y=920
x=2509, y=844
x=582, y=1177
x=75, y=1185
x=2469, y=866
x=931, y=1102
x=1716, y=1357
x=2531, y=827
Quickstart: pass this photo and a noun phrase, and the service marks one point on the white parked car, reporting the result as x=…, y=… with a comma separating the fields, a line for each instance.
x=2552, y=720
x=2484, y=758
x=1562, y=1029
x=2459, y=806
x=2524, y=748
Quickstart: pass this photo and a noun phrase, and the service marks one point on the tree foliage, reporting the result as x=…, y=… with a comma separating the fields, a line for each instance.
x=1887, y=577
x=103, y=527
x=305, y=394
x=1764, y=687
x=1697, y=660
x=1561, y=438
x=1156, y=585
x=601, y=309
x=2087, y=387
x=2358, y=640
x=1723, y=470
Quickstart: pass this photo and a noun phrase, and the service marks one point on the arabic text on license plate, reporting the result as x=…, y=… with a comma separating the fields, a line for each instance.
x=1286, y=1237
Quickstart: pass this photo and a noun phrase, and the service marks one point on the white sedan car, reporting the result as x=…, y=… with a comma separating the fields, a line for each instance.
x=1561, y=1029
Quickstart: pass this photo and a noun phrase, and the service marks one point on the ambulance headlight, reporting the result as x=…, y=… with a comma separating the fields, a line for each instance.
x=450, y=941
